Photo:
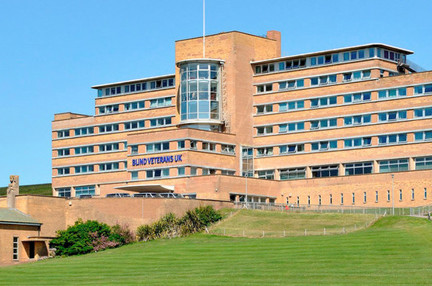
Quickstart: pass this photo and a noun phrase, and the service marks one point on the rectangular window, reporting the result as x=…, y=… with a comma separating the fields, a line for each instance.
x=292, y=174
x=261, y=109
x=84, y=150
x=63, y=134
x=392, y=139
x=227, y=149
x=358, y=168
x=180, y=144
x=15, y=246
x=108, y=166
x=157, y=147
x=353, y=198
x=108, y=147
x=423, y=163
x=397, y=165
x=291, y=127
x=357, y=97
x=160, y=102
x=264, y=88
x=64, y=192
x=63, y=171
x=322, y=124
x=109, y=109
x=209, y=146
x=134, y=105
x=266, y=151
x=425, y=194
x=160, y=121
x=325, y=171
x=84, y=169
x=324, y=145
x=83, y=131
x=364, y=197
x=264, y=130
x=376, y=196
x=287, y=149
x=342, y=199
x=268, y=174
x=108, y=128
x=331, y=199
x=134, y=175
x=423, y=112
x=134, y=125
x=292, y=105
x=357, y=120
x=63, y=152
x=180, y=171
x=412, y=194
x=157, y=173
x=84, y=190
x=292, y=84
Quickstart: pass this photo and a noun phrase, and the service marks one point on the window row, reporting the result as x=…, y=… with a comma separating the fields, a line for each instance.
x=327, y=59
x=178, y=171
x=137, y=87
x=83, y=169
x=165, y=146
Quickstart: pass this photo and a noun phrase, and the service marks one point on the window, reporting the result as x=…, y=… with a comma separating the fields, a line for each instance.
x=287, y=149
x=392, y=139
x=108, y=147
x=423, y=136
x=15, y=245
x=325, y=59
x=261, y=109
x=134, y=149
x=423, y=112
x=264, y=130
x=324, y=123
x=193, y=144
x=342, y=199
x=412, y=194
x=134, y=105
x=319, y=200
x=84, y=190
x=265, y=68
x=292, y=105
x=420, y=89
x=83, y=131
x=134, y=175
x=63, y=152
x=388, y=196
x=157, y=147
x=209, y=146
x=423, y=163
x=228, y=172
x=292, y=174
x=353, y=198
x=109, y=166
x=357, y=120
x=364, y=197
x=308, y=201
x=391, y=93
x=292, y=64
x=331, y=199
x=160, y=102
x=392, y=116
x=298, y=200
x=324, y=145
x=264, y=88
x=325, y=171
x=291, y=84
x=227, y=149
x=158, y=173
x=108, y=109
x=160, y=121
x=180, y=144
x=84, y=169
x=376, y=196
x=358, y=168
x=323, y=80
x=291, y=127
x=63, y=134
x=323, y=101
x=357, y=97
x=180, y=171
x=425, y=193
x=268, y=174
x=84, y=150
x=358, y=75
x=108, y=128
x=397, y=165
x=266, y=151
x=63, y=171
x=64, y=192
x=136, y=87
x=134, y=125
x=357, y=142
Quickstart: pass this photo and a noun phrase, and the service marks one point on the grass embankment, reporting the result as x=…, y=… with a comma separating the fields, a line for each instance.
x=395, y=250
x=252, y=223
x=40, y=189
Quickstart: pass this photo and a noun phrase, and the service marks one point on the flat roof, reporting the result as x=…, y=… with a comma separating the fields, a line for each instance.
x=14, y=216
x=132, y=81
x=228, y=32
x=147, y=188
x=405, y=51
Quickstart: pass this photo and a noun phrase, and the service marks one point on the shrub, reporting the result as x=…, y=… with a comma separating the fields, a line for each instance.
x=85, y=237
x=169, y=226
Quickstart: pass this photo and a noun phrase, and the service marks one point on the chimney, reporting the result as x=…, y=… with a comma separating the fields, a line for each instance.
x=275, y=35
x=12, y=191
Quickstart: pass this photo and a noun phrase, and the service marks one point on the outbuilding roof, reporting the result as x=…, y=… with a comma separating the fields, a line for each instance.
x=14, y=216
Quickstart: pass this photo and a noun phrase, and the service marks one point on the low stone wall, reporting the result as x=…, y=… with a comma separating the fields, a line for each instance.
x=58, y=213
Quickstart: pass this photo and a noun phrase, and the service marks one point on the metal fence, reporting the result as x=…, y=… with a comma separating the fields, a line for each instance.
x=413, y=211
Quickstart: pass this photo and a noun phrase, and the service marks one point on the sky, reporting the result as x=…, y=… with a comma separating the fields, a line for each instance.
x=52, y=52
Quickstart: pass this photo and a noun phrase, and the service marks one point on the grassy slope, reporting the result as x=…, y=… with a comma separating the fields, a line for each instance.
x=275, y=223
x=395, y=250
x=41, y=189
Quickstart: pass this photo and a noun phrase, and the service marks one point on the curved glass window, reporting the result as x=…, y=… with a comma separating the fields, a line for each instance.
x=199, y=91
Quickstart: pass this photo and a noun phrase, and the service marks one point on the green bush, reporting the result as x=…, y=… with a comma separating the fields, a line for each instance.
x=169, y=226
x=85, y=237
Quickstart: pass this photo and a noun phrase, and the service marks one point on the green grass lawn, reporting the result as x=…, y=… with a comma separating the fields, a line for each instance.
x=254, y=223
x=41, y=189
x=395, y=250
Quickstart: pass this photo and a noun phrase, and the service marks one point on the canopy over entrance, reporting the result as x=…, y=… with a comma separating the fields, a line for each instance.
x=154, y=188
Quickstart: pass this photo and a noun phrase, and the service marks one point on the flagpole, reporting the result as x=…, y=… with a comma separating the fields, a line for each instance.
x=204, y=29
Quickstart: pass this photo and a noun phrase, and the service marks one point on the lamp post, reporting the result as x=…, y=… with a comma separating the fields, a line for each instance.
x=393, y=194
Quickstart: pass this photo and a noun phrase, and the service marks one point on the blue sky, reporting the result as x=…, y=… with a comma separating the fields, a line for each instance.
x=51, y=52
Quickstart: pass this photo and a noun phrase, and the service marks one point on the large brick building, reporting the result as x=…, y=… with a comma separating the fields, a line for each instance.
x=345, y=126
